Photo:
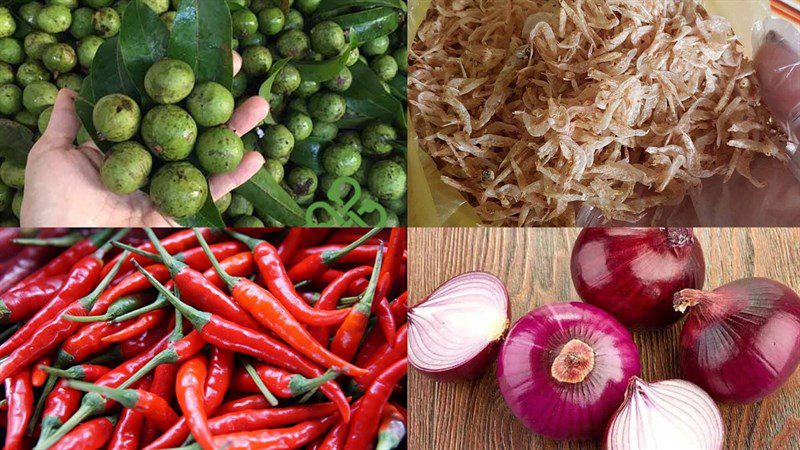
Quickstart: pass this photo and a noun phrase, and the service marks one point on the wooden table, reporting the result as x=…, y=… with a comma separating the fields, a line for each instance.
x=534, y=263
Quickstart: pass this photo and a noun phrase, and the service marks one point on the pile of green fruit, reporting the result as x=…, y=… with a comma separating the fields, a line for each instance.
x=156, y=101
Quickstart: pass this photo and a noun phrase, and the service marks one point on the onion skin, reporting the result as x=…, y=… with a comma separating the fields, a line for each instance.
x=633, y=273
x=741, y=341
x=474, y=366
x=557, y=409
x=665, y=415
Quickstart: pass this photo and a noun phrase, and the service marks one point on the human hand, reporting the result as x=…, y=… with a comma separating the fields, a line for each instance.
x=62, y=181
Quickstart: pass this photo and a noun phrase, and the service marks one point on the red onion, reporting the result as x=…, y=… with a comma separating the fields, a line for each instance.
x=633, y=272
x=454, y=332
x=741, y=341
x=563, y=369
x=666, y=415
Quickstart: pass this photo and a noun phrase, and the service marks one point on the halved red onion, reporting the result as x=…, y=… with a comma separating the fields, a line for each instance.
x=454, y=332
x=665, y=415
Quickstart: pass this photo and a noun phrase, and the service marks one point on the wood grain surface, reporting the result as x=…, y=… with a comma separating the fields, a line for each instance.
x=534, y=263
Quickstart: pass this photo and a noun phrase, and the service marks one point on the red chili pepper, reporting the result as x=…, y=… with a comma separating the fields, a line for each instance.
x=132, y=347
x=392, y=428
x=348, y=336
x=271, y=314
x=256, y=419
x=191, y=376
x=276, y=439
x=85, y=343
x=336, y=436
x=356, y=288
x=175, y=243
x=27, y=261
x=291, y=242
x=332, y=293
x=144, y=323
x=195, y=257
x=363, y=254
x=348, y=235
x=19, y=393
x=163, y=385
x=38, y=376
x=238, y=265
x=220, y=368
x=316, y=264
x=271, y=268
x=231, y=336
x=91, y=435
x=242, y=404
x=129, y=426
x=22, y=302
x=280, y=382
x=131, y=284
x=152, y=406
x=387, y=281
x=385, y=318
x=63, y=401
x=386, y=357
x=364, y=426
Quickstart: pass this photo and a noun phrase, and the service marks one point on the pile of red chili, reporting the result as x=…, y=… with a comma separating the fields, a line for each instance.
x=211, y=339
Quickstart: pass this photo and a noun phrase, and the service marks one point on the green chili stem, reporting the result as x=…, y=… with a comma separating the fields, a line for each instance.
x=260, y=384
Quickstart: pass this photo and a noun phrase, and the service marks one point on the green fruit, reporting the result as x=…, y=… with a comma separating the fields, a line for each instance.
x=293, y=44
x=223, y=203
x=256, y=60
x=10, y=99
x=350, y=137
x=7, y=23
x=59, y=58
x=244, y=22
x=297, y=105
x=169, y=81
x=401, y=57
x=31, y=71
x=324, y=131
x=82, y=23
x=178, y=189
x=300, y=199
x=6, y=73
x=54, y=19
x=302, y=181
x=29, y=11
x=377, y=46
x=271, y=21
x=106, y=22
x=6, y=196
x=26, y=118
x=361, y=174
x=12, y=174
x=327, y=106
x=254, y=39
x=35, y=43
x=44, y=119
x=387, y=180
x=239, y=84
x=274, y=168
x=116, y=118
x=71, y=81
x=168, y=18
x=38, y=95
x=169, y=131
x=397, y=205
x=341, y=82
x=248, y=222
x=293, y=21
x=341, y=160
x=299, y=124
x=277, y=142
x=69, y=4
x=219, y=150
x=307, y=89
x=307, y=6
x=385, y=67
x=239, y=206
x=286, y=80
x=10, y=51
x=374, y=219
x=210, y=104
x=327, y=38
x=16, y=203
x=377, y=138
x=326, y=181
x=87, y=48
x=158, y=6
x=126, y=168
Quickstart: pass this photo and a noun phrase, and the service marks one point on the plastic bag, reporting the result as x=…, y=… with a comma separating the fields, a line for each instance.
x=737, y=202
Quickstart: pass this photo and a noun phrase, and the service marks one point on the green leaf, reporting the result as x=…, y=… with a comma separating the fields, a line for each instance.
x=368, y=98
x=332, y=6
x=399, y=87
x=323, y=70
x=308, y=153
x=108, y=74
x=208, y=216
x=270, y=199
x=367, y=25
x=201, y=37
x=16, y=140
x=143, y=39
x=265, y=91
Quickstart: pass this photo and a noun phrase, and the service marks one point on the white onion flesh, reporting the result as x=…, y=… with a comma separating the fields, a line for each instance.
x=666, y=415
x=457, y=322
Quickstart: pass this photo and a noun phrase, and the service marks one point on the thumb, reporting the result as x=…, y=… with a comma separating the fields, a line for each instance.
x=777, y=62
x=64, y=123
